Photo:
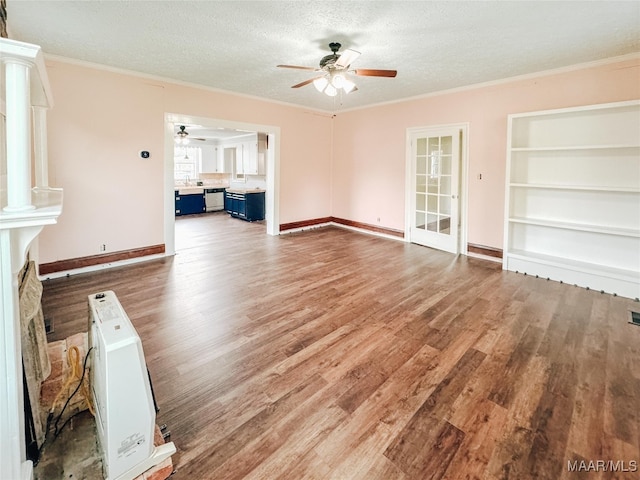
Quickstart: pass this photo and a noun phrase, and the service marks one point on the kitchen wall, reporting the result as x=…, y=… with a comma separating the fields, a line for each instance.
x=102, y=119
x=369, y=153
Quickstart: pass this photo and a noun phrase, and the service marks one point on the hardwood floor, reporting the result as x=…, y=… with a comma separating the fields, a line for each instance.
x=334, y=354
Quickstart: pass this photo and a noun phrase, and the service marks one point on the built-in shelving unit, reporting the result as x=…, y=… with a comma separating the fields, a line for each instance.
x=572, y=206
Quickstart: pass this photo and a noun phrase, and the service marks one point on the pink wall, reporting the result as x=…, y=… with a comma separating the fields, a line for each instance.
x=369, y=152
x=351, y=166
x=101, y=120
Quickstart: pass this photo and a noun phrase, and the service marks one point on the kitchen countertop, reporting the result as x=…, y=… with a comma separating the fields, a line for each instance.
x=195, y=189
x=189, y=190
x=245, y=190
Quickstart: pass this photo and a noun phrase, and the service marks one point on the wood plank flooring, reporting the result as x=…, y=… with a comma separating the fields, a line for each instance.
x=334, y=354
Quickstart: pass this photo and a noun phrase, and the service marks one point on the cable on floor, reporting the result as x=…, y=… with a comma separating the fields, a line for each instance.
x=73, y=359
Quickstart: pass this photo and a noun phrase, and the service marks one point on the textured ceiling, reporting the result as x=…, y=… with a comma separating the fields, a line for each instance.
x=236, y=45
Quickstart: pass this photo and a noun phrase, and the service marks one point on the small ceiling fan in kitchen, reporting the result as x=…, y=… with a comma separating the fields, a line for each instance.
x=182, y=136
x=336, y=72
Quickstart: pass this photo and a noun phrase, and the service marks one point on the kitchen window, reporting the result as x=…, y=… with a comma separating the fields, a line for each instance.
x=187, y=163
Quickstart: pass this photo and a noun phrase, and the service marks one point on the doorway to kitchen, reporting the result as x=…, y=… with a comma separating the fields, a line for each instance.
x=271, y=136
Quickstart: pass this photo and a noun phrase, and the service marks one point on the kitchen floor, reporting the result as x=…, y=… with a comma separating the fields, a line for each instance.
x=197, y=230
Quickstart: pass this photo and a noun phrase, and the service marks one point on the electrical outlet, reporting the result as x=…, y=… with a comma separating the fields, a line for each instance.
x=102, y=248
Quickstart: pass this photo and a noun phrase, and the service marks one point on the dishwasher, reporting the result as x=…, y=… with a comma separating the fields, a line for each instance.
x=214, y=199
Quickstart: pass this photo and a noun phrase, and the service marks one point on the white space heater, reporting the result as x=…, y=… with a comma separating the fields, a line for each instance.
x=124, y=405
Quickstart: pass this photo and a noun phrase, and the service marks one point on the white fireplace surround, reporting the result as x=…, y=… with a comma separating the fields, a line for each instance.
x=25, y=209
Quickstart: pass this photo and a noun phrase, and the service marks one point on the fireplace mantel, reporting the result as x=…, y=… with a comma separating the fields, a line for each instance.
x=25, y=209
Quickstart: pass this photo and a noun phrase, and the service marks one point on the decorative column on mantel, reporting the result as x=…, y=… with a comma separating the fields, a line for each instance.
x=18, y=104
x=26, y=212
x=40, y=146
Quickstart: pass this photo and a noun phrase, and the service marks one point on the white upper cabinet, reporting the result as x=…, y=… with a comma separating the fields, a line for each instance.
x=250, y=157
x=209, y=159
x=239, y=159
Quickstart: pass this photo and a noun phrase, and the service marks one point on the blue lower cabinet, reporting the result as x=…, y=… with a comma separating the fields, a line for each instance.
x=254, y=206
x=178, y=203
x=228, y=202
x=190, y=204
x=247, y=206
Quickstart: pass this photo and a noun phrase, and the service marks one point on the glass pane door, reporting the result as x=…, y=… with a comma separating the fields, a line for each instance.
x=436, y=160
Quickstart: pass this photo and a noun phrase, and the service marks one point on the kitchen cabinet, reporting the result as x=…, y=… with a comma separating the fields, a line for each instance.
x=262, y=145
x=248, y=160
x=209, y=158
x=254, y=156
x=239, y=159
x=246, y=205
x=573, y=196
x=226, y=159
x=189, y=204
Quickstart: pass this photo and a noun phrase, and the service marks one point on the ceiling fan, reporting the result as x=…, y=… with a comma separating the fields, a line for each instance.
x=182, y=136
x=334, y=68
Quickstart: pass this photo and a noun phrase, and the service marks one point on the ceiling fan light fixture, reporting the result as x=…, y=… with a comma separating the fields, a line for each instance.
x=320, y=84
x=331, y=90
x=182, y=136
x=334, y=68
x=338, y=80
x=348, y=86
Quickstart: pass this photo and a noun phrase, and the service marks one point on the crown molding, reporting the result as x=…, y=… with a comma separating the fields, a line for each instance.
x=158, y=78
x=502, y=81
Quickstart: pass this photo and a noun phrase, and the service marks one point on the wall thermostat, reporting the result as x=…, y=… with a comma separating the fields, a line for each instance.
x=144, y=154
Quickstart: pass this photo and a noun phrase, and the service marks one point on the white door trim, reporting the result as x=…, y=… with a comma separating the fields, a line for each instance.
x=272, y=203
x=464, y=181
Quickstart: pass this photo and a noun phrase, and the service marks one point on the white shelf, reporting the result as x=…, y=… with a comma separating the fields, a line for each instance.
x=590, y=268
x=623, y=282
x=572, y=209
x=588, y=188
x=574, y=147
x=577, y=110
x=47, y=205
x=581, y=227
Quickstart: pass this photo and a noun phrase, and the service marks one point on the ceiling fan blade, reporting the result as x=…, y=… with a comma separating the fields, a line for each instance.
x=306, y=82
x=368, y=72
x=347, y=58
x=297, y=67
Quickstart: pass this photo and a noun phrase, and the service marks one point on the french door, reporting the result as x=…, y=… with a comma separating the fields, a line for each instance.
x=435, y=183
